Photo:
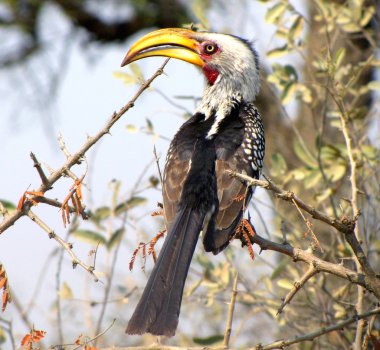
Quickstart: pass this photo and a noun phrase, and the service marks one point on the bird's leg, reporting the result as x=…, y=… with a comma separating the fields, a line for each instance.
x=245, y=231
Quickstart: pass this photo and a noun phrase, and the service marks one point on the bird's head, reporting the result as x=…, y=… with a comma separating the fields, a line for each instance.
x=229, y=63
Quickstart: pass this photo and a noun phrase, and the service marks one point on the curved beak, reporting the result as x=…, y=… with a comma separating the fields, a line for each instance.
x=172, y=42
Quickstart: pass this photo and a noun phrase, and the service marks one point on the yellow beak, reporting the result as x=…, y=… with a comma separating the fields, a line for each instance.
x=171, y=42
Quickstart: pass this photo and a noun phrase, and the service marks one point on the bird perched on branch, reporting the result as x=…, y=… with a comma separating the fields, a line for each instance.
x=225, y=133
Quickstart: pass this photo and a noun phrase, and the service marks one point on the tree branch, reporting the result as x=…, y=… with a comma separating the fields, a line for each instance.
x=68, y=247
x=75, y=158
x=345, y=225
x=320, y=265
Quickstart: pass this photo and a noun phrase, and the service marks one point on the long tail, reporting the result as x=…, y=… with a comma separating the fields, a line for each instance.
x=158, y=309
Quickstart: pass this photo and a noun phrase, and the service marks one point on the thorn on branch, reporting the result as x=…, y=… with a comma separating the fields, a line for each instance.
x=62, y=146
x=40, y=171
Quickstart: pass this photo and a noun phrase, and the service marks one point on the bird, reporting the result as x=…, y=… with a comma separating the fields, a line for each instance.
x=224, y=134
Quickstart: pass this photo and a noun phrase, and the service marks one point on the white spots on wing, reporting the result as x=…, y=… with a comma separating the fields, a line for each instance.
x=254, y=142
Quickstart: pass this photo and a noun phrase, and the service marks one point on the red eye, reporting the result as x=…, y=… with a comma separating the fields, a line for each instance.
x=209, y=48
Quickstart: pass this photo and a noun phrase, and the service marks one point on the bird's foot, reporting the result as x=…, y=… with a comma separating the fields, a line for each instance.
x=245, y=232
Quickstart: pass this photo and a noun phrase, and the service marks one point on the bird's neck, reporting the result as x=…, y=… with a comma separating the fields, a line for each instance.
x=225, y=93
x=217, y=103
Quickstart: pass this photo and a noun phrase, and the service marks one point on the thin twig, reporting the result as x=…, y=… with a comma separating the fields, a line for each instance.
x=68, y=247
x=91, y=141
x=227, y=333
x=158, y=163
x=312, y=271
x=280, y=344
x=97, y=336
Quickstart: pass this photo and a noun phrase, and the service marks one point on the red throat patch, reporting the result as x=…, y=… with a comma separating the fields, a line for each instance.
x=211, y=74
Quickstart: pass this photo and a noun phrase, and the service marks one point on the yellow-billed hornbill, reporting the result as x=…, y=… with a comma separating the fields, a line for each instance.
x=199, y=195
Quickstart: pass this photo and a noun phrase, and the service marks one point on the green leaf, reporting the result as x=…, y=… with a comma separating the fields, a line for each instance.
x=374, y=85
x=213, y=339
x=89, y=236
x=339, y=56
x=291, y=72
x=3, y=336
x=8, y=205
x=129, y=204
x=304, y=156
x=65, y=292
x=115, y=238
x=115, y=185
x=367, y=15
x=278, y=165
x=275, y=12
x=288, y=92
x=340, y=311
x=154, y=181
x=278, y=52
x=126, y=78
x=132, y=128
x=285, y=283
x=137, y=72
x=330, y=153
x=312, y=178
x=336, y=172
x=101, y=213
x=371, y=152
x=296, y=29
x=324, y=195
x=299, y=173
x=304, y=93
x=149, y=125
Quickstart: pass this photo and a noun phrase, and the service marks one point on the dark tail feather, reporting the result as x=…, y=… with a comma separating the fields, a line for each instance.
x=158, y=309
